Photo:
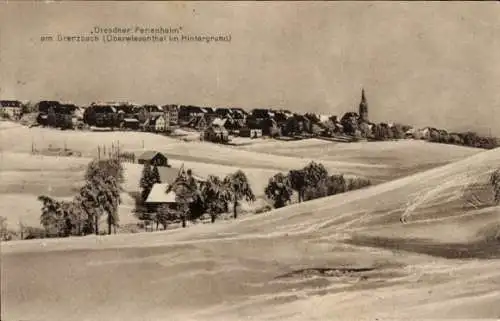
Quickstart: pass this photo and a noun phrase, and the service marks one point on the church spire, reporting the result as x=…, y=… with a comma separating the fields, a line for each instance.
x=363, y=107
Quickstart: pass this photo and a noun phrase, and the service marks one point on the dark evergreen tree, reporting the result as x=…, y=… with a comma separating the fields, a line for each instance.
x=155, y=175
x=279, y=190
x=147, y=181
x=314, y=173
x=51, y=117
x=297, y=179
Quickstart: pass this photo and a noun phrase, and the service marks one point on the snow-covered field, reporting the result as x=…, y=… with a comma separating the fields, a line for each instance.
x=25, y=176
x=345, y=257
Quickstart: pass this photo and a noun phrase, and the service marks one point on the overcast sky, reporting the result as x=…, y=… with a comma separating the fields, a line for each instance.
x=426, y=63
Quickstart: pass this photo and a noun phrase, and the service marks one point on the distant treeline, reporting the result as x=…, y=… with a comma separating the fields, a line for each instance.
x=384, y=132
x=470, y=139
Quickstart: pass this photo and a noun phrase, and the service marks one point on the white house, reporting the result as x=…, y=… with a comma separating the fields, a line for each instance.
x=11, y=108
x=160, y=124
x=157, y=123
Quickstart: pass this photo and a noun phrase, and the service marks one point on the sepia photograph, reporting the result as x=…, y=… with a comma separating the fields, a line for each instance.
x=275, y=160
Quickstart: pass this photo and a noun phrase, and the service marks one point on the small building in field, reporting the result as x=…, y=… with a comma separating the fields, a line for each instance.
x=153, y=158
x=11, y=109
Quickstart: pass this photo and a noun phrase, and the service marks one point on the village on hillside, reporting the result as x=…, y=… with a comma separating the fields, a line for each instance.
x=224, y=124
x=167, y=193
x=225, y=161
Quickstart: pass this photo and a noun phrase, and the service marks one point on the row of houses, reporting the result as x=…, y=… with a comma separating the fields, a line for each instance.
x=215, y=123
x=128, y=116
x=260, y=122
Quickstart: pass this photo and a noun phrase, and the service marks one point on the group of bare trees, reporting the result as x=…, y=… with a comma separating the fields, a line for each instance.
x=310, y=182
x=98, y=197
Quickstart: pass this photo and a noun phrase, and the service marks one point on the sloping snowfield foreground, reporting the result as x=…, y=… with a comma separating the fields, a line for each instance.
x=346, y=257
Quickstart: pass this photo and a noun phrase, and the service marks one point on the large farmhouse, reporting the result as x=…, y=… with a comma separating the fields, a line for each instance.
x=175, y=183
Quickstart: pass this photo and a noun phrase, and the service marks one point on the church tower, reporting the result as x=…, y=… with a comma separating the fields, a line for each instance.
x=363, y=107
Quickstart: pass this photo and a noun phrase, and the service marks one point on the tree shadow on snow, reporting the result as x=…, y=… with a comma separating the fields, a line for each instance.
x=484, y=249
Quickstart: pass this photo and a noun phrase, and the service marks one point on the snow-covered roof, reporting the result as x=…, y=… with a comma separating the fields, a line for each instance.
x=219, y=121
x=159, y=194
x=324, y=118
